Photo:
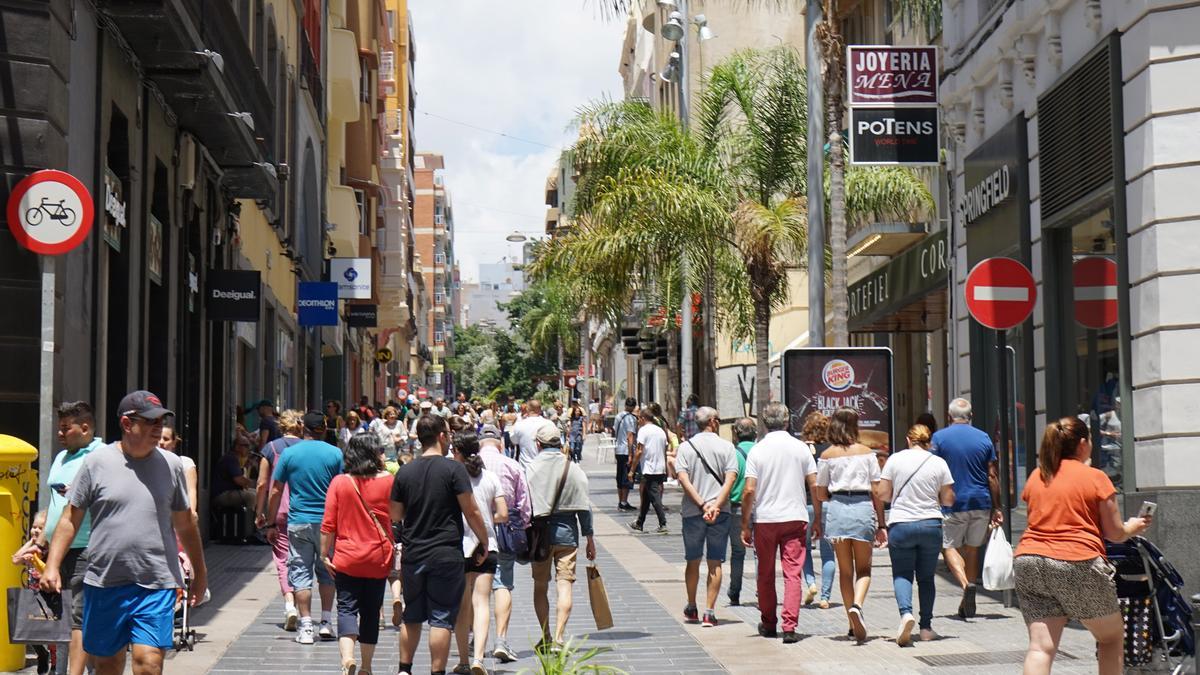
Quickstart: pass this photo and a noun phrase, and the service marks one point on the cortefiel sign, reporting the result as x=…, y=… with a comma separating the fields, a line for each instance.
x=894, y=136
x=353, y=277
x=232, y=295
x=892, y=76
x=316, y=303
x=823, y=379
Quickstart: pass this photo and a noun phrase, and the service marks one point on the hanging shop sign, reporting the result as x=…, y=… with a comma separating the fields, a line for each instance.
x=114, y=209
x=50, y=212
x=906, y=136
x=362, y=316
x=889, y=75
x=232, y=295
x=353, y=277
x=906, y=278
x=154, y=249
x=1095, y=282
x=316, y=303
x=823, y=379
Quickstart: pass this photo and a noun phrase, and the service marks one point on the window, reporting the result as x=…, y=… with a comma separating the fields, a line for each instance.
x=439, y=258
x=387, y=65
x=439, y=298
x=391, y=24
x=439, y=337
x=364, y=83
x=360, y=200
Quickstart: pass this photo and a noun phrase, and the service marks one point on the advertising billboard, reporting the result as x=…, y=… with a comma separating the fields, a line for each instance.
x=823, y=379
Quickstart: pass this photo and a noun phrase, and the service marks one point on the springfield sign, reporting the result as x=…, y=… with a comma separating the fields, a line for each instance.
x=824, y=379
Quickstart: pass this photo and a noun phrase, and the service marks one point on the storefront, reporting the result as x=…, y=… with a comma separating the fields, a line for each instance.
x=903, y=305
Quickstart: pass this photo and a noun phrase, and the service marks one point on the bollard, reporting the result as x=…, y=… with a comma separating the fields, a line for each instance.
x=18, y=487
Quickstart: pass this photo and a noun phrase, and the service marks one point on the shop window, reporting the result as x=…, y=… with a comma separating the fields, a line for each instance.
x=360, y=200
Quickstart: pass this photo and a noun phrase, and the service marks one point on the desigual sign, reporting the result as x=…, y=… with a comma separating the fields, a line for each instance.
x=233, y=295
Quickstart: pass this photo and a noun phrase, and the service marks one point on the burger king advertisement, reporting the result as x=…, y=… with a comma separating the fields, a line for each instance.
x=823, y=379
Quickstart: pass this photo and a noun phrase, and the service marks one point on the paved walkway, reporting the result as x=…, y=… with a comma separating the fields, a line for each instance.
x=241, y=629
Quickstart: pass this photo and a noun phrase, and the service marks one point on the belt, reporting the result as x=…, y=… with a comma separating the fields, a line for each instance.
x=853, y=493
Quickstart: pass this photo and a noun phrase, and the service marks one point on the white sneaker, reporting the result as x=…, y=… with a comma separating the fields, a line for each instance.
x=326, y=631
x=305, y=635
x=290, y=619
x=904, y=635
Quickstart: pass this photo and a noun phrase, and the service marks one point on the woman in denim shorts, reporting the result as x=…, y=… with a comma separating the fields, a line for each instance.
x=1060, y=568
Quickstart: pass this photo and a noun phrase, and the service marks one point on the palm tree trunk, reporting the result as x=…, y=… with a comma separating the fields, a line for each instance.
x=762, y=355
x=837, y=232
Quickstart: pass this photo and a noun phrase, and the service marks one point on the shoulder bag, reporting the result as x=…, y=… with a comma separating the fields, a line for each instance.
x=390, y=556
x=538, y=533
x=897, y=491
x=703, y=461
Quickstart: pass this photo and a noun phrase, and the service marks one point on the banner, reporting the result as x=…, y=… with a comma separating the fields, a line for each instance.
x=316, y=303
x=232, y=295
x=353, y=277
x=823, y=379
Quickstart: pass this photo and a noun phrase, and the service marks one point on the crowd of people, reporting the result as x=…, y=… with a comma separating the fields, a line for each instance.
x=441, y=504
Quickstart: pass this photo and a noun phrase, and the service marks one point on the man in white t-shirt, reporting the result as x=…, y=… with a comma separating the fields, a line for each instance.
x=780, y=472
x=523, y=434
x=651, y=455
x=707, y=468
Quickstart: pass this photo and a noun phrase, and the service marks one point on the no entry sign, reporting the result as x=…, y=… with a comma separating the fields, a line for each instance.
x=1095, y=282
x=1000, y=293
x=50, y=212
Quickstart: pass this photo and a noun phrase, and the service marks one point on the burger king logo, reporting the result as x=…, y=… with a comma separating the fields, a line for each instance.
x=838, y=375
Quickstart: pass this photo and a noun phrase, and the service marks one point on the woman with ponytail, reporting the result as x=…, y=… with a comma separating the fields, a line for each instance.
x=474, y=613
x=1060, y=568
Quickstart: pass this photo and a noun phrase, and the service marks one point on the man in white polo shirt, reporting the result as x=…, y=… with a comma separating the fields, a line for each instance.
x=780, y=472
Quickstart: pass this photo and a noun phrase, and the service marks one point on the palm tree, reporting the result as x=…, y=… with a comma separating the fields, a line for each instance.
x=726, y=196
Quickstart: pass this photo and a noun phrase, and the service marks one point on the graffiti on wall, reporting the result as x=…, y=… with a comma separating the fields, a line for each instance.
x=736, y=386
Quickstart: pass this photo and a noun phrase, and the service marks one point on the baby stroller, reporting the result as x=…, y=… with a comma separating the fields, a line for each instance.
x=185, y=635
x=1158, y=617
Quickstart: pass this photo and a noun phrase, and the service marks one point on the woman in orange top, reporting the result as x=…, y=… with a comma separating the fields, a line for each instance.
x=1060, y=569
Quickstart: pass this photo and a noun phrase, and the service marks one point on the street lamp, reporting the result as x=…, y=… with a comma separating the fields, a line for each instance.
x=516, y=237
x=671, y=74
x=673, y=29
x=701, y=22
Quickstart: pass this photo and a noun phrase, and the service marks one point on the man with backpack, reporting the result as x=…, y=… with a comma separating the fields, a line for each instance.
x=516, y=495
x=707, y=468
x=625, y=434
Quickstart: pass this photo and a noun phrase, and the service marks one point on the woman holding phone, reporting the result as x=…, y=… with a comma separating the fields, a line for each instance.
x=1059, y=565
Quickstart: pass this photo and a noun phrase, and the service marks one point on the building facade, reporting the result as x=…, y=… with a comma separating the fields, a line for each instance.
x=1071, y=125
x=433, y=227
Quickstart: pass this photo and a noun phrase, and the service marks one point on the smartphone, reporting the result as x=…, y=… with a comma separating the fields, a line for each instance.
x=1147, y=510
x=60, y=488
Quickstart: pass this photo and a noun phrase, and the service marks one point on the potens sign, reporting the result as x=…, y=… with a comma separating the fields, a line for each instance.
x=894, y=136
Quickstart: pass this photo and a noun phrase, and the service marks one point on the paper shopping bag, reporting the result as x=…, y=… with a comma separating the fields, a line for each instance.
x=38, y=618
x=599, y=599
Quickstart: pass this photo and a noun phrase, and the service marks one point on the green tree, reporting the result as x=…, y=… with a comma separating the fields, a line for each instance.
x=727, y=196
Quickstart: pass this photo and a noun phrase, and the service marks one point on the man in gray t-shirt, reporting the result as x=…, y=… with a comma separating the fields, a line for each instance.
x=137, y=497
x=707, y=468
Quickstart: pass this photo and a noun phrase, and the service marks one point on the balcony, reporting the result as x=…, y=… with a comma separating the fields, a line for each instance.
x=343, y=215
x=194, y=53
x=344, y=76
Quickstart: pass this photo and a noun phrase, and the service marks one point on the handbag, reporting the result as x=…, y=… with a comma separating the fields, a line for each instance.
x=388, y=545
x=37, y=618
x=598, y=598
x=537, y=535
x=511, y=539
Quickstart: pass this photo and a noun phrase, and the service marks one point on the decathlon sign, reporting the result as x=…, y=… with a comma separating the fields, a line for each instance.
x=232, y=295
x=316, y=303
x=353, y=277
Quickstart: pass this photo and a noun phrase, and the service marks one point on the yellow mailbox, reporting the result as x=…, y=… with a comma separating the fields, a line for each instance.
x=18, y=488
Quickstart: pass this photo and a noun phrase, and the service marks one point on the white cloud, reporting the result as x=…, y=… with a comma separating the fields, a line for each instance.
x=521, y=67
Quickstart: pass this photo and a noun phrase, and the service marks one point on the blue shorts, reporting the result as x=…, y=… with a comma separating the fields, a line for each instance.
x=304, y=544
x=699, y=535
x=504, y=572
x=122, y=615
x=433, y=593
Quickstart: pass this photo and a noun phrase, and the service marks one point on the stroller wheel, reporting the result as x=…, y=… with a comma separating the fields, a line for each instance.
x=190, y=640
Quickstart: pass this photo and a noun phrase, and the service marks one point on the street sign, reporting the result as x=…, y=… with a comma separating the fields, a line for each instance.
x=422, y=393
x=1095, y=282
x=384, y=355
x=50, y=212
x=1000, y=293
x=894, y=136
x=353, y=277
x=316, y=303
x=890, y=75
x=232, y=295
x=402, y=381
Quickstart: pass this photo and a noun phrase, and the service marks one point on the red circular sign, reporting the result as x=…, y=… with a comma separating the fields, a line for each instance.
x=1000, y=293
x=1095, y=282
x=50, y=212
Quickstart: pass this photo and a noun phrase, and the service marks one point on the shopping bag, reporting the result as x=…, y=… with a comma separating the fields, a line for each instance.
x=599, y=599
x=37, y=618
x=998, y=563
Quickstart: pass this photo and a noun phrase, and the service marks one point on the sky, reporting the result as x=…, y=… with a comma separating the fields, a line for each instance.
x=517, y=67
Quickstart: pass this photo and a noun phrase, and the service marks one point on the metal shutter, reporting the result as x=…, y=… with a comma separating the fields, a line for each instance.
x=1075, y=135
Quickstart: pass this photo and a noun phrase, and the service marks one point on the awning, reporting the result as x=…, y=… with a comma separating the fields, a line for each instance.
x=906, y=295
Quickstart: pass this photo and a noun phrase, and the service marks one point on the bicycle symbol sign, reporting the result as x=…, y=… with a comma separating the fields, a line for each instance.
x=50, y=212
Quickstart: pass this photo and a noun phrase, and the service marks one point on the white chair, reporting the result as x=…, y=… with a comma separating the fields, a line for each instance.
x=605, y=447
